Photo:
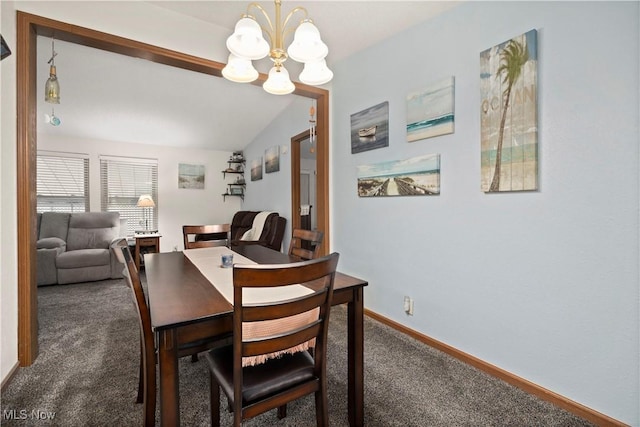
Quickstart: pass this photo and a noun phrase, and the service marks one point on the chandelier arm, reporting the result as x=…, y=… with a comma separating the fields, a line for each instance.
x=293, y=12
x=270, y=31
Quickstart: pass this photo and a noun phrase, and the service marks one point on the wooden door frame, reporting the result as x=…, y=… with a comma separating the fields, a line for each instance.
x=28, y=28
x=322, y=184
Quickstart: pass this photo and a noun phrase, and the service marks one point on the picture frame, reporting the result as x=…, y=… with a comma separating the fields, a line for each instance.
x=370, y=128
x=191, y=176
x=272, y=159
x=430, y=111
x=4, y=48
x=417, y=176
x=508, y=115
x=256, y=169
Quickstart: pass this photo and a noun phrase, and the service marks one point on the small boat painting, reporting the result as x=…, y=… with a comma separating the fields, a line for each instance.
x=370, y=131
x=370, y=128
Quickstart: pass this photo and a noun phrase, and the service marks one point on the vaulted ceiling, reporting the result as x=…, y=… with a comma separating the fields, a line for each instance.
x=107, y=96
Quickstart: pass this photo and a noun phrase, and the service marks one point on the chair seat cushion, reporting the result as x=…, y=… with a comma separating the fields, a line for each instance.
x=264, y=379
x=83, y=258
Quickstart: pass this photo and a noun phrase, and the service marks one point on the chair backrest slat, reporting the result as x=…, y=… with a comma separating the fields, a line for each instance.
x=305, y=244
x=205, y=230
x=291, y=307
x=281, y=342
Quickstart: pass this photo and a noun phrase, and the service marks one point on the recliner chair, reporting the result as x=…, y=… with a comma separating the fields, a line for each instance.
x=272, y=232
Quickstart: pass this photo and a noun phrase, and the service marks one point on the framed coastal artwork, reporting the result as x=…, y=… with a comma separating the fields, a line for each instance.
x=256, y=169
x=272, y=159
x=370, y=128
x=508, y=115
x=417, y=176
x=190, y=176
x=430, y=111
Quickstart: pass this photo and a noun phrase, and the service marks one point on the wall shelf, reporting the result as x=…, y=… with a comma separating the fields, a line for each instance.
x=235, y=166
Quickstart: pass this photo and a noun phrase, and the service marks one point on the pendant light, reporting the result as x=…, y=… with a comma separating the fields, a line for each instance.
x=248, y=44
x=52, y=87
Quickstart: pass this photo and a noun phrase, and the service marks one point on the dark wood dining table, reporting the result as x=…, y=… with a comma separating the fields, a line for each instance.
x=185, y=308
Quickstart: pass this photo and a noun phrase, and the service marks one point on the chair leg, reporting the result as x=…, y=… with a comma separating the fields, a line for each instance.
x=194, y=358
x=150, y=395
x=282, y=411
x=214, y=404
x=139, y=398
x=322, y=408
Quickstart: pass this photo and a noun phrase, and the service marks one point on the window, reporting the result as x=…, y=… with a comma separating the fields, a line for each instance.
x=62, y=183
x=122, y=181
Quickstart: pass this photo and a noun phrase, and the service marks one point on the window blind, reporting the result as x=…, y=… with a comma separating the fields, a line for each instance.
x=62, y=182
x=122, y=181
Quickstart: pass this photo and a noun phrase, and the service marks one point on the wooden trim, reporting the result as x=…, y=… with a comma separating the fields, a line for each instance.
x=295, y=178
x=322, y=171
x=7, y=379
x=531, y=388
x=26, y=186
x=28, y=27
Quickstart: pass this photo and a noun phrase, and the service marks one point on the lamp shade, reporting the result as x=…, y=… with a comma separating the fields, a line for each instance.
x=239, y=70
x=307, y=45
x=278, y=82
x=145, y=201
x=316, y=73
x=247, y=41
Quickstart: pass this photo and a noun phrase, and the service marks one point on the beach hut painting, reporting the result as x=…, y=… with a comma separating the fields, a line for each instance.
x=508, y=115
x=430, y=112
x=417, y=176
x=370, y=128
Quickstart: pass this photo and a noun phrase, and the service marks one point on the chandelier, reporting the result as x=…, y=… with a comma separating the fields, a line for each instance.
x=247, y=44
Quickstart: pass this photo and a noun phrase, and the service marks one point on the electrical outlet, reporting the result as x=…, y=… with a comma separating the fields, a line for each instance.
x=408, y=305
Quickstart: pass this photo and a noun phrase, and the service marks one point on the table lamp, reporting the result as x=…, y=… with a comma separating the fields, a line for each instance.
x=146, y=201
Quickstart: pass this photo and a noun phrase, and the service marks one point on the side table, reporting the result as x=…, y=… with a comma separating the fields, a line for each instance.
x=146, y=244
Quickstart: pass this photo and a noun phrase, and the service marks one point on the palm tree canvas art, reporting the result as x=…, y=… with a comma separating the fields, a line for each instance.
x=508, y=115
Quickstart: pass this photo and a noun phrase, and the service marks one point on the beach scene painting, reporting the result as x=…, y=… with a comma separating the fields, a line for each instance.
x=417, y=176
x=508, y=115
x=190, y=176
x=430, y=111
x=272, y=159
x=370, y=128
x=256, y=169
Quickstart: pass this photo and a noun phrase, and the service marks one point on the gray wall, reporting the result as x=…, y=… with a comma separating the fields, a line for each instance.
x=543, y=284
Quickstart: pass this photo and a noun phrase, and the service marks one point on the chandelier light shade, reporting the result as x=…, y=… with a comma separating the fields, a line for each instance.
x=278, y=82
x=247, y=43
x=316, y=73
x=52, y=86
x=239, y=70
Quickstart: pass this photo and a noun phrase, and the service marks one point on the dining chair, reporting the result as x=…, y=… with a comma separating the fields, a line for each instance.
x=305, y=244
x=289, y=371
x=205, y=236
x=147, y=376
